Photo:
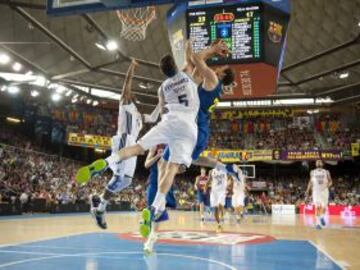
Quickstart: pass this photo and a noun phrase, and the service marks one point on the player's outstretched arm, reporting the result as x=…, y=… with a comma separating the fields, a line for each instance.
x=210, y=79
x=153, y=117
x=188, y=65
x=307, y=193
x=330, y=181
x=196, y=183
x=126, y=94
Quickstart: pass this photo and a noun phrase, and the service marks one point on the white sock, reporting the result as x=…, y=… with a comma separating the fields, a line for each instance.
x=221, y=167
x=159, y=201
x=114, y=158
x=102, y=205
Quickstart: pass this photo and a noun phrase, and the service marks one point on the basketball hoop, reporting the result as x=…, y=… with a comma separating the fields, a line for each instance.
x=135, y=21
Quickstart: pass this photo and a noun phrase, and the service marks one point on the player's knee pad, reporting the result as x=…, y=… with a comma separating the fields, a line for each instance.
x=118, y=183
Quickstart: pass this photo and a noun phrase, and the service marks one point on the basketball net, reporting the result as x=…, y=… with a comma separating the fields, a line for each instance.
x=135, y=21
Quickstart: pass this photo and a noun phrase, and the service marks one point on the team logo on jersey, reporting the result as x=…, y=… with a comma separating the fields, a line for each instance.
x=205, y=238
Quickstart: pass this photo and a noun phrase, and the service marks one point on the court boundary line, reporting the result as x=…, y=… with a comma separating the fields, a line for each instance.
x=326, y=254
x=43, y=239
x=116, y=252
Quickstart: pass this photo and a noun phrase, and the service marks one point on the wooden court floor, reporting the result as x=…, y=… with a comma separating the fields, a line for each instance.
x=340, y=240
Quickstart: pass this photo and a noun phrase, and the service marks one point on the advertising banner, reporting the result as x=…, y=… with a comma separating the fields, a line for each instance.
x=311, y=155
x=333, y=210
x=90, y=141
x=230, y=156
x=283, y=209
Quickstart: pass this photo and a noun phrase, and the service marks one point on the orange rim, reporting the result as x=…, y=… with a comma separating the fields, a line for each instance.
x=129, y=20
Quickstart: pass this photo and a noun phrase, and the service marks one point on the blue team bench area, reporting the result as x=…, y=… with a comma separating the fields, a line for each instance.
x=112, y=251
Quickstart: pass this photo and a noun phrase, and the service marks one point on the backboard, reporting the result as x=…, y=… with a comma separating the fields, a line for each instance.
x=72, y=7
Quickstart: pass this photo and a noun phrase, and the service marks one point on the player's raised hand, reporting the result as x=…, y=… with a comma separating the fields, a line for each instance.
x=221, y=48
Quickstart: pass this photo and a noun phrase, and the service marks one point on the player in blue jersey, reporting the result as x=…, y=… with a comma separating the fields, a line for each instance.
x=153, y=162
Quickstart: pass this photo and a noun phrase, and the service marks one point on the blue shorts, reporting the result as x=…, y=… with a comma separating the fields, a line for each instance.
x=202, y=197
x=201, y=144
x=228, y=202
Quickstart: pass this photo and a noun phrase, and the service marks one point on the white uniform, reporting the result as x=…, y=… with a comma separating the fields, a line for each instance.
x=320, y=190
x=177, y=128
x=129, y=127
x=218, y=188
x=238, y=198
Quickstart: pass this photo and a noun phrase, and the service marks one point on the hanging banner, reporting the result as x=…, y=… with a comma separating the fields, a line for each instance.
x=238, y=114
x=90, y=141
x=231, y=156
x=311, y=155
x=355, y=147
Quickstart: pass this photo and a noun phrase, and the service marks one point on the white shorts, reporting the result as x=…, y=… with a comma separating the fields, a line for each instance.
x=321, y=199
x=217, y=198
x=238, y=199
x=126, y=167
x=178, y=130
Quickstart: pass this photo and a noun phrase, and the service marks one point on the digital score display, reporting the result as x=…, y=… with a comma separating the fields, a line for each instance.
x=238, y=26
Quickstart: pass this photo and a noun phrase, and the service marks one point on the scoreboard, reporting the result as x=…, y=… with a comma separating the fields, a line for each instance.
x=238, y=26
x=254, y=30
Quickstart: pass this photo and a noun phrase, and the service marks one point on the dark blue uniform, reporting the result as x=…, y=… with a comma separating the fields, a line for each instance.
x=207, y=100
x=152, y=189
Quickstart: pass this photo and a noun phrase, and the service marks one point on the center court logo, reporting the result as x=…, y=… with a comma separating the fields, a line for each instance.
x=205, y=238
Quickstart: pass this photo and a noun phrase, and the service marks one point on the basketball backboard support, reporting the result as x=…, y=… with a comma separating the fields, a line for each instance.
x=73, y=7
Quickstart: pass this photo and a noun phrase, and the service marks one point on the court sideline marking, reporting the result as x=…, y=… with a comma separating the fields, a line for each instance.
x=97, y=253
x=342, y=265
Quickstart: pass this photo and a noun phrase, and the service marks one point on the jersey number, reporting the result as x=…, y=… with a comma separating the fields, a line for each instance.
x=183, y=100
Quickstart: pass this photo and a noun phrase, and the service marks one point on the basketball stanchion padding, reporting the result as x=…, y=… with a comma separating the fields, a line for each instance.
x=134, y=22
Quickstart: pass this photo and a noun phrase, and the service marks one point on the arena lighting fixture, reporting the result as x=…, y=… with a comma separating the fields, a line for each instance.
x=56, y=97
x=294, y=101
x=74, y=100
x=100, y=46
x=40, y=81
x=76, y=96
x=29, y=73
x=3, y=88
x=111, y=45
x=60, y=89
x=13, y=120
x=313, y=111
x=4, y=59
x=68, y=93
x=223, y=104
x=13, y=90
x=34, y=93
x=88, y=101
x=95, y=103
x=326, y=100
x=344, y=75
x=17, y=67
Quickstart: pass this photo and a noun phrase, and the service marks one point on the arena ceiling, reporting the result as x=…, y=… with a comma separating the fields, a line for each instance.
x=323, y=46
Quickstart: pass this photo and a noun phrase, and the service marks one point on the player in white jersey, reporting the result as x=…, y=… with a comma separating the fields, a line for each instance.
x=238, y=197
x=130, y=123
x=179, y=100
x=218, y=181
x=320, y=181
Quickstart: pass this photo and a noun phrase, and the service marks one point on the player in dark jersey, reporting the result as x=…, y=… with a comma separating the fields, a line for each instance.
x=201, y=186
x=153, y=161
